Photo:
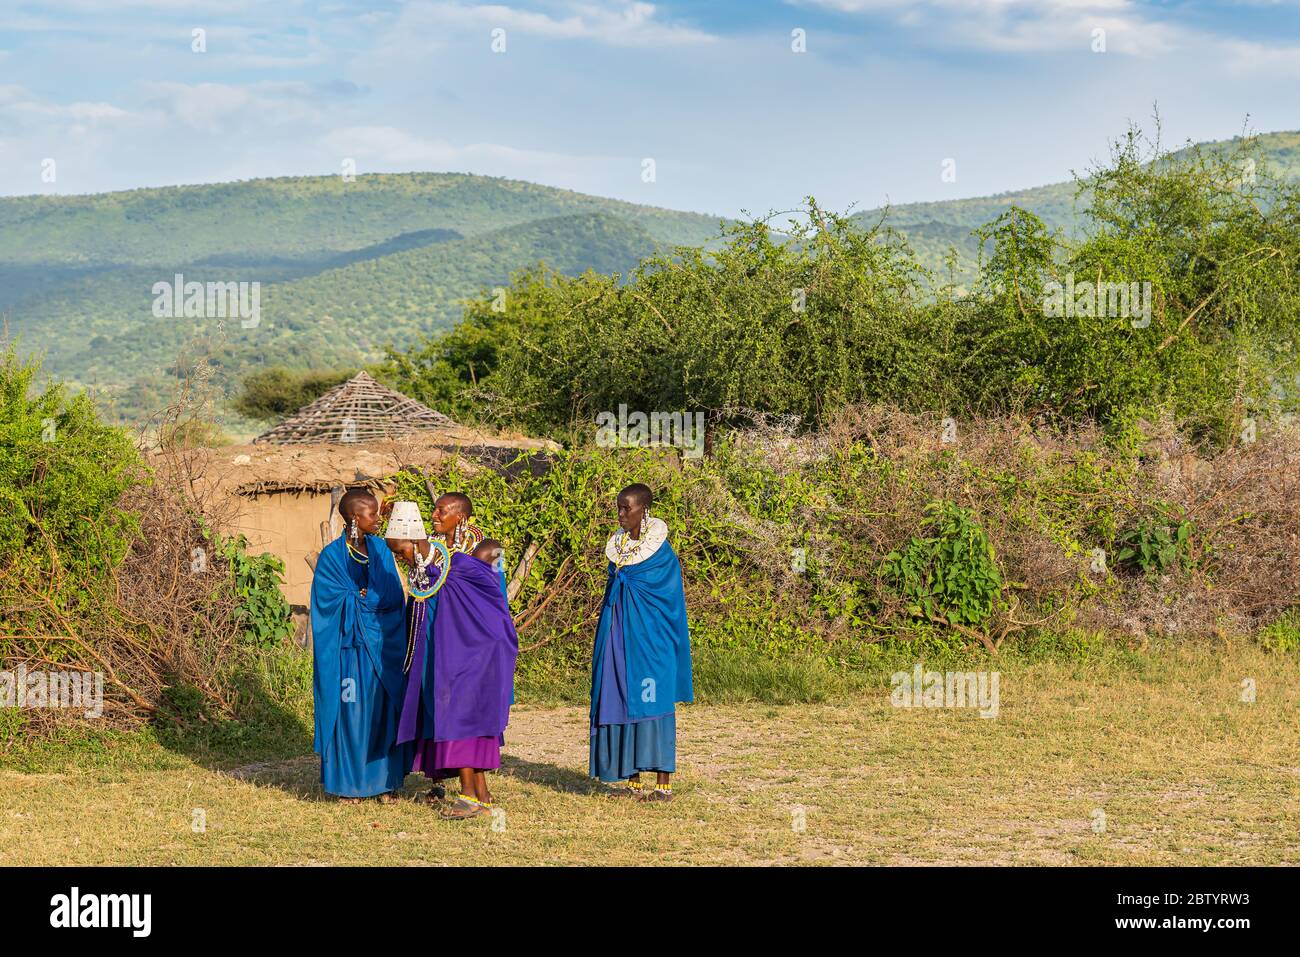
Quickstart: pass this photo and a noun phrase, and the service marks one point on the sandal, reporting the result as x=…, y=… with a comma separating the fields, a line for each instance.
x=462, y=809
x=626, y=791
x=657, y=794
x=388, y=797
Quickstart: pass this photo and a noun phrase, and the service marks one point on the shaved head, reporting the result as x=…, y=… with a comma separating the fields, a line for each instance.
x=639, y=494
x=460, y=502
x=354, y=497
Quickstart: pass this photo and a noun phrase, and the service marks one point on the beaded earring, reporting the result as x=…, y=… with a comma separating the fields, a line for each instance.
x=352, y=532
x=458, y=539
x=645, y=521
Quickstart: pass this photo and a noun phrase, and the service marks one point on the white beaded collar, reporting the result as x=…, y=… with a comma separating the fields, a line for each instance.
x=656, y=533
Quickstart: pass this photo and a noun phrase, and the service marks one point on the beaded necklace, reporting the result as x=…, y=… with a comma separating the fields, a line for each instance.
x=470, y=539
x=422, y=584
x=624, y=552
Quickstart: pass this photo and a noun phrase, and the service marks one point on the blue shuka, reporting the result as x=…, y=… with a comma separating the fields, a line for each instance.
x=358, y=647
x=641, y=666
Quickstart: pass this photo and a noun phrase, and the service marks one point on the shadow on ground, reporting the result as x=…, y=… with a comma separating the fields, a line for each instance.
x=265, y=731
x=270, y=744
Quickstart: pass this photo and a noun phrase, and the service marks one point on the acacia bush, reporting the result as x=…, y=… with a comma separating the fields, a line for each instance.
x=808, y=316
x=109, y=566
x=277, y=392
x=885, y=526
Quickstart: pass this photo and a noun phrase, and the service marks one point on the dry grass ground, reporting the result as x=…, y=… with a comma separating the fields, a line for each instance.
x=1183, y=770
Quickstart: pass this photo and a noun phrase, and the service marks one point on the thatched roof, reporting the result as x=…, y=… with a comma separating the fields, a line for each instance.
x=250, y=470
x=359, y=410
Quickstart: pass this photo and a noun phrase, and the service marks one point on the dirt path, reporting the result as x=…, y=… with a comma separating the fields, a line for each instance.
x=1075, y=769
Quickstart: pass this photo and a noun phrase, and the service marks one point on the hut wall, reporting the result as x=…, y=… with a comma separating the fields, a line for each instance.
x=287, y=524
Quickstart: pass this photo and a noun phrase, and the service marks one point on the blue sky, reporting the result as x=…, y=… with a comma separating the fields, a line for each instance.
x=584, y=92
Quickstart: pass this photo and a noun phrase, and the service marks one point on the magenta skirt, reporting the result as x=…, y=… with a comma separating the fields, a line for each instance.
x=444, y=759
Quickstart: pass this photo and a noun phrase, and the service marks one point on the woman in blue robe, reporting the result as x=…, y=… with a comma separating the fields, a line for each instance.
x=641, y=661
x=358, y=647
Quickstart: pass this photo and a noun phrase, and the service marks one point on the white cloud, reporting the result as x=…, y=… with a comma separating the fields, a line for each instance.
x=203, y=106
x=19, y=101
x=88, y=111
x=1248, y=57
x=619, y=23
x=187, y=7
x=213, y=107
x=1025, y=26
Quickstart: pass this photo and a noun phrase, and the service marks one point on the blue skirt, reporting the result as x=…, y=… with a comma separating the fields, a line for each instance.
x=619, y=751
x=362, y=759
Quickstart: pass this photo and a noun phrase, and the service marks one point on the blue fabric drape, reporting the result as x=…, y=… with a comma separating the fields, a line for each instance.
x=358, y=646
x=648, y=604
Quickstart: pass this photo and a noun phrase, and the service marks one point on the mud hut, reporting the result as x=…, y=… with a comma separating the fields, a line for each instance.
x=281, y=491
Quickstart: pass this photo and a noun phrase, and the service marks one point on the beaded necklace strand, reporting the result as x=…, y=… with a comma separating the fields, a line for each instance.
x=625, y=553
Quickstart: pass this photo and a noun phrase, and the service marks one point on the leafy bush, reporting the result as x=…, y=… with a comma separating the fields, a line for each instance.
x=262, y=613
x=1157, y=545
x=62, y=475
x=1283, y=635
x=277, y=392
x=950, y=573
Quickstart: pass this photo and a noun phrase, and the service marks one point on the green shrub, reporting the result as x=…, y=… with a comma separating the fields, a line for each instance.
x=949, y=573
x=1282, y=635
x=1157, y=545
x=263, y=613
x=274, y=393
x=62, y=475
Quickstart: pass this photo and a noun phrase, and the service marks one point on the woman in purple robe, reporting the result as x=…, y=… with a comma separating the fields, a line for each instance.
x=458, y=699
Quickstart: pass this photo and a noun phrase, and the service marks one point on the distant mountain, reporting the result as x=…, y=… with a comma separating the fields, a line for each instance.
x=344, y=268
x=932, y=228
x=348, y=267
x=298, y=219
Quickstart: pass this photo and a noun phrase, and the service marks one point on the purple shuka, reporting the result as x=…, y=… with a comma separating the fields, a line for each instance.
x=474, y=652
x=417, y=630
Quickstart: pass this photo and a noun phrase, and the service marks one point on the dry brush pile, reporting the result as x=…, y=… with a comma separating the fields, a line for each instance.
x=108, y=569
x=795, y=540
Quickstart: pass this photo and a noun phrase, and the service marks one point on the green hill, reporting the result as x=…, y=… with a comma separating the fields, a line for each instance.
x=344, y=268
x=295, y=219
x=932, y=228
x=108, y=339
